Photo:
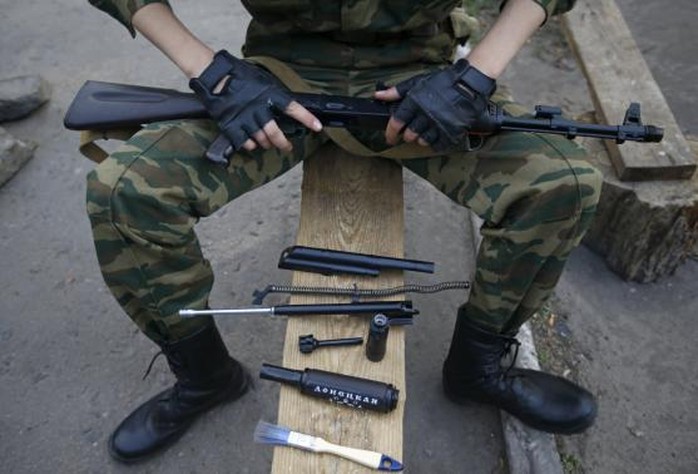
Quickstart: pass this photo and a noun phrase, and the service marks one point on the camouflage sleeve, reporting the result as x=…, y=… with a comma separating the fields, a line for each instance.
x=551, y=7
x=123, y=10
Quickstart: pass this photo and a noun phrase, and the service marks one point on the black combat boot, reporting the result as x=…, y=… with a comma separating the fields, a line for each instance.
x=206, y=376
x=473, y=371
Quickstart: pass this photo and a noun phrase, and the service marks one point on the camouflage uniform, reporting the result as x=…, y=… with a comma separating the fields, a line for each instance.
x=537, y=194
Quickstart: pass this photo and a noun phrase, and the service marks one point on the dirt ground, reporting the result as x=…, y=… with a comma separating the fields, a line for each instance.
x=71, y=363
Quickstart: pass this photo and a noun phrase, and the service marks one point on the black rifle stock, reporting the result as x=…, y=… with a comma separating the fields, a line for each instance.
x=103, y=106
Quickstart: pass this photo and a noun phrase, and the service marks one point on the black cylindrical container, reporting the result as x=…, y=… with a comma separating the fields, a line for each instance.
x=342, y=389
x=377, y=337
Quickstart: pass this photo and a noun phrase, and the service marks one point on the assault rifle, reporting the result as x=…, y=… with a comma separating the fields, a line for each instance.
x=103, y=106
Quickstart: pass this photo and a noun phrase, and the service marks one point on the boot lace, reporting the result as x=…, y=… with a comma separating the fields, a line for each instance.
x=175, y=365
x=173, y=395
x=510, y=342
x=491, y=362
x=150, y=366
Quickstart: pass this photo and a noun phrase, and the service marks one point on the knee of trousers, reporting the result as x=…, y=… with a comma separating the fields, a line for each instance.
x=587, y=184
x=98, y=197
x=155, y=181
x=574, y=200
x=561, y=196
x=117, y=197
x=568, y=183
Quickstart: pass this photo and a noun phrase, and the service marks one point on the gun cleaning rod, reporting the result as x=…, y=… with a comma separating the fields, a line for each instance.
x=190, y=313
x=390, y=308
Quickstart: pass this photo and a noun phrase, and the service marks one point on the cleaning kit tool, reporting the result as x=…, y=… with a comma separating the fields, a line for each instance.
x=377, y=337
x=342, y=389
x=308, y=343
x=355, y=293
x=269, y=433
x=391, y=308
x=330, y=262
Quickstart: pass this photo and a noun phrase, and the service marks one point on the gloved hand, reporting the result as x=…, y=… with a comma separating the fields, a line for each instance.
x=441, y=107
x=245, y=105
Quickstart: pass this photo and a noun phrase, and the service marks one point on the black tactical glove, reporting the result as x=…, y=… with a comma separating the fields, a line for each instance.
x=247, y=101
x=441, y=107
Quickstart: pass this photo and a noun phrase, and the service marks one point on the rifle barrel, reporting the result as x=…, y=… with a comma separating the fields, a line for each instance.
x=572, y=129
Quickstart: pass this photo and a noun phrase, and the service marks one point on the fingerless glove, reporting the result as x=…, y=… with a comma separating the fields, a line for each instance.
x=442, y=106
x=247, y=100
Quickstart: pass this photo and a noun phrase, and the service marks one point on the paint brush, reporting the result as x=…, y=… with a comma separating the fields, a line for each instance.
x=269, y=433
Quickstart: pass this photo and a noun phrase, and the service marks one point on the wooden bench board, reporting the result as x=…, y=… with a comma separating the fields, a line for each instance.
x=618, y=75
x=355, y=204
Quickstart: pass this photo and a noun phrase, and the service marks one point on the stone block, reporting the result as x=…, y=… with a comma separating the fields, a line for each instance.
x=14, y=154
x=21, y=95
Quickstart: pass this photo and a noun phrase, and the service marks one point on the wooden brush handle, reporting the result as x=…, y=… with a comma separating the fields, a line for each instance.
x=364, y=457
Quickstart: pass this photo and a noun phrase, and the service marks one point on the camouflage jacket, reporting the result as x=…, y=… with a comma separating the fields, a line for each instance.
x=353, y=34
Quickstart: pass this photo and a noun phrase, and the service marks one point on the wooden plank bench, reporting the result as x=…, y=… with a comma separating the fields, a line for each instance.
x=617, y=75
x=646, y=224
x=354, y=204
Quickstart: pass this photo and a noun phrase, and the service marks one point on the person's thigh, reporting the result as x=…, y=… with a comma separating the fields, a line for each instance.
x=143, y=202
x=511, y=167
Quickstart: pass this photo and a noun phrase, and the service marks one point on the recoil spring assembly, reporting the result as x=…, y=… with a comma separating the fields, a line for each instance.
x=357, y=293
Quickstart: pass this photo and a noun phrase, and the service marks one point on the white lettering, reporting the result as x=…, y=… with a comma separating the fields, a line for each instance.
x=346, y=398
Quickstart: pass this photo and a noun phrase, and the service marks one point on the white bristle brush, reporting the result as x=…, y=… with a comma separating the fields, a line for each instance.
x=269, y=433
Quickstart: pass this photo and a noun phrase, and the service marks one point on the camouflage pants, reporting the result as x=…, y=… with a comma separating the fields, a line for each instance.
x=537, y=195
